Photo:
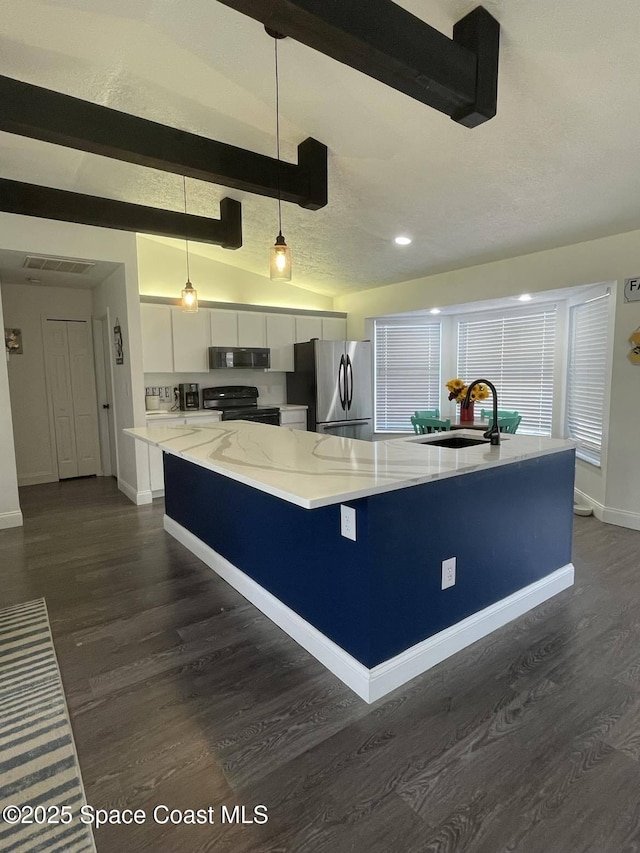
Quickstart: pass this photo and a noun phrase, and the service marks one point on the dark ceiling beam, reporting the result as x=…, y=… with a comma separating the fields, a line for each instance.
x=49, y=203
x=38, y=113
x=457, y=76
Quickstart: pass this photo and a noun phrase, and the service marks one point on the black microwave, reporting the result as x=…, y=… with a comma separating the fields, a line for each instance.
x=256, y=358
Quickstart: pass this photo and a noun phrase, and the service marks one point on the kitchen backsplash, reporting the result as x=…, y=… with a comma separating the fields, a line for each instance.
x=272, y=387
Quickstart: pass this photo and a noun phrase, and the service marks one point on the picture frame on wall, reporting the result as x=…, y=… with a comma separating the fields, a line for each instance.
x=117, y=342
x=13, y=341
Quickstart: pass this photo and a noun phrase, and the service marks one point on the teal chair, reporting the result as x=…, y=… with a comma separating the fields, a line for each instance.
x=427, y=413
x=502, y=413
x=509, y=424
x=422, y=426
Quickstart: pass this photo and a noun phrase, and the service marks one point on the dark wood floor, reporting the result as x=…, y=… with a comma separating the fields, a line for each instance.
x=183, y=694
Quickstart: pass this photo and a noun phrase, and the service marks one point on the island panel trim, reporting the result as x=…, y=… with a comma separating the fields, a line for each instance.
x=380, y=595
x=373, y=684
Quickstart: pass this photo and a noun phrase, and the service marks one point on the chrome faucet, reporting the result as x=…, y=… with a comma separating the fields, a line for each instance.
x=493, y=433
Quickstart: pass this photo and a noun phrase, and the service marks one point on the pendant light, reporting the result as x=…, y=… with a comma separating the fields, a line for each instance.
x=280, y=256
x=189, y=293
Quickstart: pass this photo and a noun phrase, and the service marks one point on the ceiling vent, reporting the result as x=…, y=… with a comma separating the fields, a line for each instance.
x=65, y=265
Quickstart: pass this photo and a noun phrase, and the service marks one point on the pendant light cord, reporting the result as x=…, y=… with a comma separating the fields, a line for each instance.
x=275, y=42
x=184, y=190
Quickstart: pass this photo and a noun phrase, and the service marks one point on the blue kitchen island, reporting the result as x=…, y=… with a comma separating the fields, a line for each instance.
x=261, y=505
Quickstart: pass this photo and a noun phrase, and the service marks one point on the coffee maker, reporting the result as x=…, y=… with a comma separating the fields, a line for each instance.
x=188, y=396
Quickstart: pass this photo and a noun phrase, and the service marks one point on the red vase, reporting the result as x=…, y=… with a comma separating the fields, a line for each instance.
x=466, y=414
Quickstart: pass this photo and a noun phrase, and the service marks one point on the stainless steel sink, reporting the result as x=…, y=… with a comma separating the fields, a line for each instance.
x=454, y=441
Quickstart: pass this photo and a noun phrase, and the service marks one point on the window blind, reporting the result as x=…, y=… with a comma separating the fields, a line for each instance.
x=407, y=371
x=586, y=376
x=516, y=353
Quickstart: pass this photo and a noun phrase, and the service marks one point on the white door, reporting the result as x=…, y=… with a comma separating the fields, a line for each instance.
x=58, y=374
x=71, y=380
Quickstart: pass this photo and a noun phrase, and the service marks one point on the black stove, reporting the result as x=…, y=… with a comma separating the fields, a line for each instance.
x=239, y=402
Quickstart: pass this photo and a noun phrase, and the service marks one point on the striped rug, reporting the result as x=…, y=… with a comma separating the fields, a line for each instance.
x=38, y=763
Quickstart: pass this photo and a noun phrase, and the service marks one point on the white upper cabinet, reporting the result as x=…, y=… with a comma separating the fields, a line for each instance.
x=157, y=341
x=280, y=330
x=307, y=328
x=191, y=341
x=334, y=329
x=251, y=329
x=224, y=328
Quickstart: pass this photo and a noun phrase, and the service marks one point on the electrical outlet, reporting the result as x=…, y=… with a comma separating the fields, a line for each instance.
x=448, y=572
x=348, y=522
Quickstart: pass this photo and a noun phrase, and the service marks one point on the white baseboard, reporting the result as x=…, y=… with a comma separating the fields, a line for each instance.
x=138, y=498
x=621, y=517
x=372, y=684
x=609, y=514
x=38, y=479
x=11, y=519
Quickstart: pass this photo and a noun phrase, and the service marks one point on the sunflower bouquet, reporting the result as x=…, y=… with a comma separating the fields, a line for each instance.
x=458, y=391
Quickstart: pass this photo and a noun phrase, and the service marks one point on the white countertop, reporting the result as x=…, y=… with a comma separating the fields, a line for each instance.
x=313, y=470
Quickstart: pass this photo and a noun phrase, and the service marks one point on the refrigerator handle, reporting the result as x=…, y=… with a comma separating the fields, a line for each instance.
x=349, y=382
x=342, y=375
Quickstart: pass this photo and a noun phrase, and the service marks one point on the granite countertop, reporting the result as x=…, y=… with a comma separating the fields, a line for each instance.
x=313, y=470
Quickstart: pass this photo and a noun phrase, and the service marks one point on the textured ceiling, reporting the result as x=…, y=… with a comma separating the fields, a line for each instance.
x=558, y=164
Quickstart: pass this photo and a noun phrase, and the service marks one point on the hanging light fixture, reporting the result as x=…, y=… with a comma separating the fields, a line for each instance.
x=189, y=293
x=280, y=257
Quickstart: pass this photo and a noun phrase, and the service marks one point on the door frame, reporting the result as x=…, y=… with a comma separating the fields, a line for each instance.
x=103, y=395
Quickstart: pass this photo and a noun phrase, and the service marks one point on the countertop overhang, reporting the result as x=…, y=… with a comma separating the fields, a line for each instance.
x=314, y=470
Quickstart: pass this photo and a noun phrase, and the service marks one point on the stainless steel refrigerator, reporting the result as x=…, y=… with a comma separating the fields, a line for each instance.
x=334, y=379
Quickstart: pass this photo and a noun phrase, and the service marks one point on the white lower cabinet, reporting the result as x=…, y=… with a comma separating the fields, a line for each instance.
x=293, y=418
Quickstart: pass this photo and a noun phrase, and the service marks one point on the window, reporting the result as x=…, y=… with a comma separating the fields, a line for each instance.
x=586, y=375
x=407, y=371
x=516, y=353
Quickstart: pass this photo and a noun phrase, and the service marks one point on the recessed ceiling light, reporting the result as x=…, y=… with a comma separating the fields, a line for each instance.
x=434, y=311
x=525, y=297
x=402, y=241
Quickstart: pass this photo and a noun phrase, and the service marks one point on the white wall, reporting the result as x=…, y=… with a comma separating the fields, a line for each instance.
x=46, y=237
x=24, y=307
x=114, y=300
x=614, y=490
x=10, y=514
x=162, y=272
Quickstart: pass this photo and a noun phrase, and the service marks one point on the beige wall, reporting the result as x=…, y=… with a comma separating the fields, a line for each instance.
x=614, y=489
x=162, y=272
x=25, y=306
